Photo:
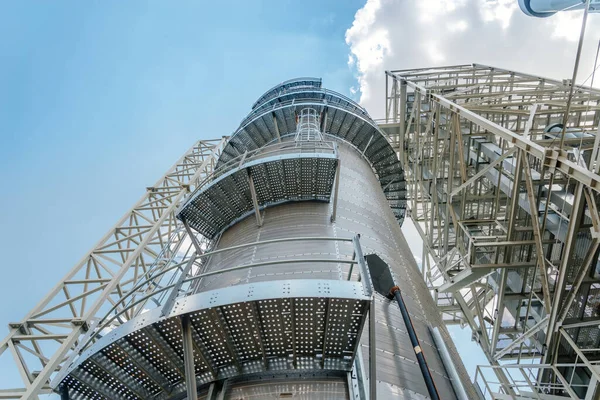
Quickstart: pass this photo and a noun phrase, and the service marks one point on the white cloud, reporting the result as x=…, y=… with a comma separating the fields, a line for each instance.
x=457, y=26
x=351, y=60
x=388, y=35
x=429, y=10
x=434, y=52
x=365, y=17
x=500, y=11
x=369, y=44
x=568, y=25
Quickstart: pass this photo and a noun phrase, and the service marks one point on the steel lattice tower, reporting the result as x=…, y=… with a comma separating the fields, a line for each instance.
x=242, y=272
x=502, y=172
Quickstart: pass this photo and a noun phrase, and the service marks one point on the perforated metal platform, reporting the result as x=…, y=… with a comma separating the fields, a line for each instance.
x=286, y=86
x=267, y=326
x=340, y=117
x=291, y=174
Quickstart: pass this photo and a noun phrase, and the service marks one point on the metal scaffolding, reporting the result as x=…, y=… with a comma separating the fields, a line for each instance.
x=147, y=240
x=503, y=185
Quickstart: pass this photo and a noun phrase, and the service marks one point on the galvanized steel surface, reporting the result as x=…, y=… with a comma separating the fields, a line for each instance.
x=302, y=324
x=339, y=117
x=362, y=209
x=243, y=321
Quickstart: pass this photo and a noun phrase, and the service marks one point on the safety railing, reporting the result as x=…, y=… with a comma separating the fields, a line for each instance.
x=287, y=86
x=330, y=98
x=271, y=150
x=183, y=276
x=573, y=380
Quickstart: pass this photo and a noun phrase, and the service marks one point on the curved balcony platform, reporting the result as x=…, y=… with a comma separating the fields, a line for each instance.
x=284, y=87
x=276, y=174
x=246, y=329
x=340, y=117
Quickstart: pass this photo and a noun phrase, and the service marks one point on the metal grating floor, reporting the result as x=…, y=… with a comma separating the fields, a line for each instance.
x=345, y=120
x=279, y=179
x=145, y=358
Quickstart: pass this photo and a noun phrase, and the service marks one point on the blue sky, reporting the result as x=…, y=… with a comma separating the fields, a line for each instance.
x=99, y=98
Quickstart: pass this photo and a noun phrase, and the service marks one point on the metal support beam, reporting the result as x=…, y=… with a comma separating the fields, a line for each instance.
x=372, y=352
x=276, y=124
x=565, y=383
x=534, y=329
x=592, y=367
x=537, y=234
x=572, y=229
x=188, y=358
x=581, y=274
x=170, y=302
x=336, y=190
x=514, y=209
x=193, y=238
x=482, y=172
x=259, y=219
x=148, y=223
x=488, y=221
x=212, y=392
x=368, y=144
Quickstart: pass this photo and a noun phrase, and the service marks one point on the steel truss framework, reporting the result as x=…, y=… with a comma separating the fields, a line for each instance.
x=147, y=240
x=146, y=259
x=505, y=200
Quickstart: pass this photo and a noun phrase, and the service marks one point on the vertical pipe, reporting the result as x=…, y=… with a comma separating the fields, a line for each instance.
x=575, y=68
x=276, y=128
x=457, y=385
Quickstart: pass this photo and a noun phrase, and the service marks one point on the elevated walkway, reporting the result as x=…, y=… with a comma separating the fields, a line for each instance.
x=340, y=117
x=237, y=331
x=267, y=326
x=275, y=174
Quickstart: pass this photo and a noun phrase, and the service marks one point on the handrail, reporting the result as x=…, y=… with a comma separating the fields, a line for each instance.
x=299, y=90
x=106, y=321
x=349, y=105
x=273, y=92
x=326, y=147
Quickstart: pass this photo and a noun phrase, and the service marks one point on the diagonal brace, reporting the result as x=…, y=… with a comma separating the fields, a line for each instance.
x=259, y=219
x=535, y=221
x=482, y=172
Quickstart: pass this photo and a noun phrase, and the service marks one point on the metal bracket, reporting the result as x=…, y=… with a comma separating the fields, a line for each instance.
x=336, y=190
x=259, y=219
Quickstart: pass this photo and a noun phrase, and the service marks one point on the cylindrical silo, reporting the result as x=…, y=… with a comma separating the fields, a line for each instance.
x=278, y=303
